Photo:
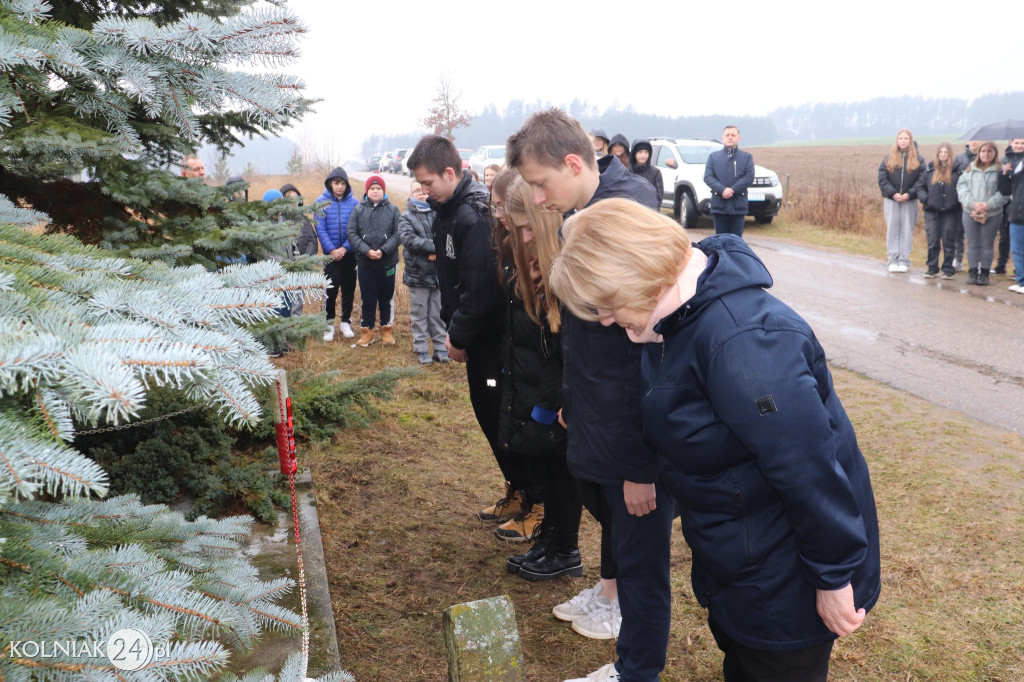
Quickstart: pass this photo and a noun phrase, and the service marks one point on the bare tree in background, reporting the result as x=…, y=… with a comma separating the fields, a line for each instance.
x=446, y=114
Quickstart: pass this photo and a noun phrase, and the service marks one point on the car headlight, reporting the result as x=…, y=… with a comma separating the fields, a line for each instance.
x=773, y=179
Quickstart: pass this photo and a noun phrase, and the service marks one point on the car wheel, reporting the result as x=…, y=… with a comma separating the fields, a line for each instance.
x=686, y=211
x=763, y=219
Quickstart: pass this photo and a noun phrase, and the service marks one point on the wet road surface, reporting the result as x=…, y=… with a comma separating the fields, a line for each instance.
x=955, y=345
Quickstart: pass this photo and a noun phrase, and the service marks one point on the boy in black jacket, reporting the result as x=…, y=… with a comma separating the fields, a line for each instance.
x=471, y=296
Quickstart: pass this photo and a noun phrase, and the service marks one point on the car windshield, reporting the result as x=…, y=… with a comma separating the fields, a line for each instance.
x=465, y=153
x=696, y=153
x=496, y=153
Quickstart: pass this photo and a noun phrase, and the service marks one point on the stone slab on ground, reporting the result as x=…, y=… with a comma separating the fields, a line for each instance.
x=483, y=642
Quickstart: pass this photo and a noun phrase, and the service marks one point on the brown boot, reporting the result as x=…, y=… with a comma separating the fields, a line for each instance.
x=523, y=526
x=368, y=337
x=385, y=335
x=505, y=508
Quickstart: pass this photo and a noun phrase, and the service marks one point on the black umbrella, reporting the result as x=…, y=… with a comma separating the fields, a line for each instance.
x=1004, y=130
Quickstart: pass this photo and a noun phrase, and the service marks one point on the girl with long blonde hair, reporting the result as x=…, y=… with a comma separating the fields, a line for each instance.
x=901, y=178
x=941, y=211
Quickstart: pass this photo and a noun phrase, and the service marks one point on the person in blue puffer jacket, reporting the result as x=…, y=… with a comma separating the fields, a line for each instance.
x=752, y=440
x=332, y=231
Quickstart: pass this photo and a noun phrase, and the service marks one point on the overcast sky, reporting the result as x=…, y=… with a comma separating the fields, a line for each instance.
x=376, y=65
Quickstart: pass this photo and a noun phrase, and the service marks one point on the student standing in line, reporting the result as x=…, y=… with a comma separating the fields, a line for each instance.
x=963, y=160
x=900, y=177
x=332, y=231
x=1014, y=155
x=978, y=189
x=416, y=230
x=601, y=394
x=941, y=211
x=373, y=233
x=1015, y=214
x=619, y=148
x=640, y=164
x=729, y=172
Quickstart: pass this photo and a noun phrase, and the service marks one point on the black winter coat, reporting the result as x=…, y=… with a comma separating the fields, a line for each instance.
x=938, y=197
x=1015, y=210
x=647, y=171
x=902, y=181
x=963, y=160
x=375, y=227
x=467, y=271
x=760, y=455
x=531, y=388
x=601, y=387
x=1006, y=179
x=416, y=229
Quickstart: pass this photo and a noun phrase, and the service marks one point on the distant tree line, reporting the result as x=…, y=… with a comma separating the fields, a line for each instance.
x=878, y=117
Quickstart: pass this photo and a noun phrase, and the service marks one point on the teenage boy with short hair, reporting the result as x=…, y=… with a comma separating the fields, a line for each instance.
x=729, y=172
x=602, y=402
x=471, y=296
x=332, y=231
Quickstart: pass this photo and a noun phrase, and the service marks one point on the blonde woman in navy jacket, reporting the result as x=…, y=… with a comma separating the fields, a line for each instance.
x=752, y=440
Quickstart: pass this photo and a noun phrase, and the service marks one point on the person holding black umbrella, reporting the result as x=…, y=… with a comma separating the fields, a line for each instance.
x=978, y=190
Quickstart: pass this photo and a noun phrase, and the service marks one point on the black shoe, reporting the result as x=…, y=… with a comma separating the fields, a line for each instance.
x=972, y=276
x=1000, y=270
x=931, y=273
x=947, y=275
x=550, y=566
x=544, y=542
x=983, y=278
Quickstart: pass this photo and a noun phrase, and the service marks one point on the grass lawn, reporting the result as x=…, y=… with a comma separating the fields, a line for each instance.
x=401, y=541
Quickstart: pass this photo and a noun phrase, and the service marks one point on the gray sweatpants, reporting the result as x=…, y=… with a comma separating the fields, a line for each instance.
x=981, y=240
x=425, y=319
x=899, y=229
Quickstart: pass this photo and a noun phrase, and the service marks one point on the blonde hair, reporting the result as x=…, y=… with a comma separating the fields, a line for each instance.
x=895, y=158
x=944, y=169
x=544, y=223
x=995, y=155
x=617, y=254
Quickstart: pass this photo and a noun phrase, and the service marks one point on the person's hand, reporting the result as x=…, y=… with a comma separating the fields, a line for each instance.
x=561, y=420
x=981, y=207
x=901, y=197
x=727, y=193
x=339, y=253
x=456, y=354
x=640, y=497
x=432, y=257
x=837, y=610
x=374, y=254
x=1006, y=168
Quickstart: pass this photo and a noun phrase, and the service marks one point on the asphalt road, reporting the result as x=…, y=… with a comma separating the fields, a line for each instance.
x=955, y=345
x=392, y=180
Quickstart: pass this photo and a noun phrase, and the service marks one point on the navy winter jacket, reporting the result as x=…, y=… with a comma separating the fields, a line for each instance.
x=416, y=229
x=901, y=180
x=755, y=446
x=332, y=226
x=467, y=270
x=373, y=227
x=601, y=387
x=734, y=170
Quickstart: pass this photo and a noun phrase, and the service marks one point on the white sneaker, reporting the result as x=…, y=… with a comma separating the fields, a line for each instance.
x=329, y=334
x=346, y=330
x=602, y=623
x=606, y=673
x=582, y=604
x=904, y=268
x=893, y=267
x=958, y=266
x=1016, y=287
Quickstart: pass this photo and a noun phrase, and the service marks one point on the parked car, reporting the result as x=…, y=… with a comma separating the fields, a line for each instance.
x=485, y=156
x=465, y=154
x=373, y=165
x=682, y=163
x=385, y=163
x=398, y=163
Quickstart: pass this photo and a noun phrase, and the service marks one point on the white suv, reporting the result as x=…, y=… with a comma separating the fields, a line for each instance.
x=682, y=163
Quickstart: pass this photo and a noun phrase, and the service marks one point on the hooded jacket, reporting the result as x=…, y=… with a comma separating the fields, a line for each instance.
x=305, y=245
x=416, y=230
x=332, y=226
x=601, y=387
x=1012, y=158
x=467, y=272
x=981, y=186
x=647, y=171
x=373, y=227
x=901, y=180
x=724, y=169
x=755, y=446
x=938, y=197
x=964, y=159
x=1015, y=211
x=619, y=138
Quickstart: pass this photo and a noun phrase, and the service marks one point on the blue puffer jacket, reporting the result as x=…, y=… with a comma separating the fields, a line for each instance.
x=724, y=170
x=332, y=226
x=755, y=446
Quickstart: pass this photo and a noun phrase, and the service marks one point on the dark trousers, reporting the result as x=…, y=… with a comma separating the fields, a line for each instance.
x=562, y=506
x=940, y=228
x=641, y=545
x=743, y=664
x=728, y=223
x=483, y=374
x=342, y=274
x=592, y=496
x=1003, y=254
x=376, y=288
